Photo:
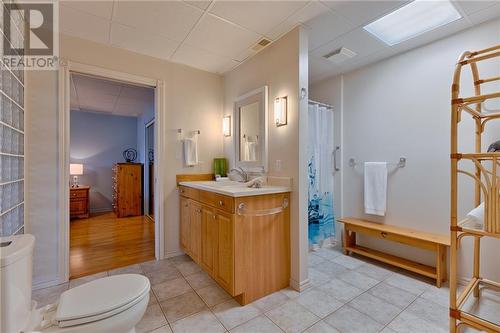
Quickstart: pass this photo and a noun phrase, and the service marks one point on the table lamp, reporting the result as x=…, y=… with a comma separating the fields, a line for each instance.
x=75, y=170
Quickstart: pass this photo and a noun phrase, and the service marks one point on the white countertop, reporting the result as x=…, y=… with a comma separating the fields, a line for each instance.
x=235, y=189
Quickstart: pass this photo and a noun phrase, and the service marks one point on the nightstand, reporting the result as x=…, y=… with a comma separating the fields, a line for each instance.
x=79, y=202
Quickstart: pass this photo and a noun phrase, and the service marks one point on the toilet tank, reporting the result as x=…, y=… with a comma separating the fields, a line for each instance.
x=16, y=259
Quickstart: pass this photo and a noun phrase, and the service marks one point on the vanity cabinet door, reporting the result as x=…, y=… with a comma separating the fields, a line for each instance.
x=184, y=228
x=195, y=212
x=208, y=239
x=224, y=272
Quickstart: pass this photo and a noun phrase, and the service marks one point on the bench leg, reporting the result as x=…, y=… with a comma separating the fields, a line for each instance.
x=441, y=269
x=349, y=239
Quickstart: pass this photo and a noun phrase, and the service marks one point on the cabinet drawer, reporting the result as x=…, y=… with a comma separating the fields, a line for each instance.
x=188, y=192
x=78, y=193
x=219, y=201
x=78, y=206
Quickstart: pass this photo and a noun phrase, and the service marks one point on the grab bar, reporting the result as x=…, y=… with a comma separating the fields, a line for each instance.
x=335, y=165
x=242, y=211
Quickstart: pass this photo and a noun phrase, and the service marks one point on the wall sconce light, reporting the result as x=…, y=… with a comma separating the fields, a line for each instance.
x=226, y=125
x=280, y=111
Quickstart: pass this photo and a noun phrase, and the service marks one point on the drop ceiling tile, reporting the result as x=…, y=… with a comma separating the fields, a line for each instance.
x=90, y=85
x=200, y=4
x=79, y=24
x=131, y=107
x=199, y=58
x=145, y=43
x=228, y=66
x=103, y=9
x=319, y=68
x=358, y=40
x=470, y=7
x=305, y=14
x=138, y=93
x=326, y=28
x=485, y=14
x=171, y=19
x=363, y=12
x=258, y=16
x=221, y=37
x=100, y=103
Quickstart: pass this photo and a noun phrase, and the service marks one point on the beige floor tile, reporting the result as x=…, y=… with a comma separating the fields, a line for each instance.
x=162, y=275
x=315, y=259
x=375, y=308
x=349, y=320
x=408, y=323
x=393, y=295
x=271, y=301
x=200, y=280
x=171, y=289
x=182, y=306
x=331, y=269
x=152, y=319
x=292, y=317
x=154, y=265
x=348, y=261
x=213, y=295
x=430, y=311
x=341, y=290
x=177, y=260
x=85, y=279
x=49, y=295
x=317, y=278
x=374, y=271
x=290, y=293
x=232, y=314
x=163, y=329
x=132, y=269
x=358, y=280
x=407, y=283
x=152, y=298
x=329, y=253
x=260, y=324
x=321, y=327
x=319, y=302
x=188, y=268
x=204, y=321
x=388, y=330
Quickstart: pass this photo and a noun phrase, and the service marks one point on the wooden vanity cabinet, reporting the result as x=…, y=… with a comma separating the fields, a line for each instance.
x=248, y=256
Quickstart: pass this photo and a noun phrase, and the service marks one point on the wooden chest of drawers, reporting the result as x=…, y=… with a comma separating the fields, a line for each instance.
x=79, y=202
x=127, y=189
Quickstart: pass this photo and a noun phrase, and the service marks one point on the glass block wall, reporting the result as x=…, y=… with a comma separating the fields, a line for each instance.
x=11, y=139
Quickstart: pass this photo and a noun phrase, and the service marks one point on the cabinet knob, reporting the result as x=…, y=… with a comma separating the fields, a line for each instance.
x=181, y=190
x=384, y=234
x=221, y=203
x=214, y=217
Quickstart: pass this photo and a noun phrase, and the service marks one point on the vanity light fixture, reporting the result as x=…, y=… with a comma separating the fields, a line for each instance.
x=412, y=20
x=280, y=111
x=226, y=125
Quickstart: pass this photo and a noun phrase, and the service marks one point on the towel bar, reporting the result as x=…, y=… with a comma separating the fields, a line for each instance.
x=262, y=212
x=400, y=164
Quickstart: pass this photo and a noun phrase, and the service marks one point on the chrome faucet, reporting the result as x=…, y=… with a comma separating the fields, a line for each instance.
x=242, y=173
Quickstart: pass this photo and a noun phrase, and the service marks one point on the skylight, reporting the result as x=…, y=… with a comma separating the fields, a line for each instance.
x=412, y=20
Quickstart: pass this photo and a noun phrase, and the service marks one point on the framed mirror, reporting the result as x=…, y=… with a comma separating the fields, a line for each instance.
x=251, y=130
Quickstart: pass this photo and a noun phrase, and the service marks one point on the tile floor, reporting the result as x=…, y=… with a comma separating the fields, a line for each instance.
x=348, y=294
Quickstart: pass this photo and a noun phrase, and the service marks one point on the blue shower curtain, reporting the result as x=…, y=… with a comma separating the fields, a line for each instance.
x=320, y=171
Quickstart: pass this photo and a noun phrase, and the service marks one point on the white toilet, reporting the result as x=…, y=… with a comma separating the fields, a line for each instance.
x=112, y=304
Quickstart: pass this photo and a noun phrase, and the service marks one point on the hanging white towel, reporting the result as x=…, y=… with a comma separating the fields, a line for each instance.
x=191, y=151
x=376, y=188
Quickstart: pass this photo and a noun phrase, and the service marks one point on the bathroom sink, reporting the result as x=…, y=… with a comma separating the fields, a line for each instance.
x=234, y=188
x=225, y=183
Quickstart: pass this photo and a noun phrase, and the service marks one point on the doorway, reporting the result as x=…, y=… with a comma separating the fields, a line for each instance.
x=149, y=174
x=156, y=242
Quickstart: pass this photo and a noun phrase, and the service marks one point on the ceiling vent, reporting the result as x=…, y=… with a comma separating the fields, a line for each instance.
x=340, y=55
x=261, y=44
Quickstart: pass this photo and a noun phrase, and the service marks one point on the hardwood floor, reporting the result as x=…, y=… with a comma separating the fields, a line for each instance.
x=104, y=242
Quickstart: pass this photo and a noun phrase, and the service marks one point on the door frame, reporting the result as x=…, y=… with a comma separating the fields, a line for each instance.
x=146, y=168
x=67, y=67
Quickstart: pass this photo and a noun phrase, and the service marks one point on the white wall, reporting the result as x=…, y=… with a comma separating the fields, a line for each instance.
x=401, y=107
x=283, y=67
x=193, y=101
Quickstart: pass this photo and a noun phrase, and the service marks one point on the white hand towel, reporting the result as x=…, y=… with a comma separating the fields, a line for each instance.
x=191, y=151
x=376, y=188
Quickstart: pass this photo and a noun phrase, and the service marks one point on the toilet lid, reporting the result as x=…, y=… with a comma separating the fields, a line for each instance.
x=100, y=299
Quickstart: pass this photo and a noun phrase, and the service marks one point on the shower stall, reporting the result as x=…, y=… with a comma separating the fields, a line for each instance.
x=322, y=166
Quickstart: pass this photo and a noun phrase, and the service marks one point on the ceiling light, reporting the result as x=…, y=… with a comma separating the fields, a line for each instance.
x=414, y=19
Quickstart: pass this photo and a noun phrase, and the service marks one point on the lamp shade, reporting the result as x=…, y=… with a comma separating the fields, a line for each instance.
x=76, y=169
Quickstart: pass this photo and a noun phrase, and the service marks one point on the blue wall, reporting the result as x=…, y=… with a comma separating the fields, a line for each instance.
x=98, y=141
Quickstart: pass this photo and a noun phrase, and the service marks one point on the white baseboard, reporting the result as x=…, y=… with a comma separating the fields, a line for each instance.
x=45, y=284
x=174, y=254
x=300, y=286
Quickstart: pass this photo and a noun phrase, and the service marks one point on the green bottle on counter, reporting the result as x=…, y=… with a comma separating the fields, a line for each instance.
x=220, y=166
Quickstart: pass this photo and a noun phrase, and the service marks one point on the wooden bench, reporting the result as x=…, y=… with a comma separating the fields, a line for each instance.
x=428, y=241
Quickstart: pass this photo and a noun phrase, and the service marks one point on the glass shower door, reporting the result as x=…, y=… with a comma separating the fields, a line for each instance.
x=321, y=176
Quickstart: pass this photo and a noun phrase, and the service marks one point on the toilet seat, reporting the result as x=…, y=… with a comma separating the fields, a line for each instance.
x=100, y=299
